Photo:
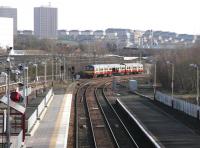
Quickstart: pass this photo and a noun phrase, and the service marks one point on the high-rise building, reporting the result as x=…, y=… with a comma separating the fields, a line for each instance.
x=45, y=22
x=10, y=13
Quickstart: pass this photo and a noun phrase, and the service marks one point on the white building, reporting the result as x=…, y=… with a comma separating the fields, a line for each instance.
x=111, y=36
x=45, y=22
x=137, y=38
x=6, y=32
x=10, y=13
x=99, y=34
x=87, y=32
x=74, y=33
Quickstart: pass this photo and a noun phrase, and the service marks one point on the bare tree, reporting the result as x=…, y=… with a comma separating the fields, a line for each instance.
x=185, y=77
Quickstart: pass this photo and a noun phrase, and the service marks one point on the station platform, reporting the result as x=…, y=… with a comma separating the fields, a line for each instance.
x=164, y=128
x=52, y=130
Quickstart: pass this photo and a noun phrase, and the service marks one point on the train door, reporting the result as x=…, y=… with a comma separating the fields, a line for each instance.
x=114, y=70
x=137, y=69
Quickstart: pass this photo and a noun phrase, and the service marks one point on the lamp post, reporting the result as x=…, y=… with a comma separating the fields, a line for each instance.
x=8, y=70
x=151, y=39
x=36, y=77
x=7, y=75
x=45, y=73
x=56, y=68
x=155, y=78
x=25, y=88
x=60, y=72
x=8, y=108
x=197, y=97
x=36, y=72
x=64, y=71
x=154, y=85
x=172, y=83
x=52, y=68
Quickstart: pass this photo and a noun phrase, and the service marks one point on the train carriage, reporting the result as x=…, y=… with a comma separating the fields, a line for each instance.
x=133, y=68
x=98, y=70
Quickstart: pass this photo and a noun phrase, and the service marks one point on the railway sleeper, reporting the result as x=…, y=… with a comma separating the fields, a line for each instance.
x=83, y=118
x=95, y=108
x=100, y=126
x=83, y=126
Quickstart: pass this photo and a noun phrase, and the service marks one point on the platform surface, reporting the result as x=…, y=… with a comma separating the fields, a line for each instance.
x=166, y=129
x=53, y=128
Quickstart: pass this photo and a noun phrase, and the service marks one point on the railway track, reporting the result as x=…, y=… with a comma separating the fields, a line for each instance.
x=83, y=130
x=90, y=128
x=96, y=122
x=138, y=133
x=101, y=132
x=120, y=133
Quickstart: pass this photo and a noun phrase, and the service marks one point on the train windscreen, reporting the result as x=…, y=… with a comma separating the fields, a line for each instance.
x=89, y=68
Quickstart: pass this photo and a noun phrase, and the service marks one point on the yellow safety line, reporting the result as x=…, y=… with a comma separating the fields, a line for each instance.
x=57, y=125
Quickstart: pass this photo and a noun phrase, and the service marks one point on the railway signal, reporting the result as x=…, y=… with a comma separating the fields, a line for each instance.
x=16, y=97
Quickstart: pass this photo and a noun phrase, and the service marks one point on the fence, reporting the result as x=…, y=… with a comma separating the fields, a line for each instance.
x=31, y=121
x=48, y=96
x=36, y=114
x=181, y=105
x=41, y=107
x=17, y=141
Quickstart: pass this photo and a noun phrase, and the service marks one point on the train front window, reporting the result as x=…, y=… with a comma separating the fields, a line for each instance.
x=90, y=68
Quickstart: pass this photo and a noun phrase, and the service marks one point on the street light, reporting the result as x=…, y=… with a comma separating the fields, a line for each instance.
x=64, y=71
x=8, y=109
x=36, y=72
x=7, y=75
x=154, y=85
x=172, y=83
x=56, y=69
x=155, y=81
x=36, y=77
x=45, y=72
x=25, y=88
x=52, y=67
x=197, y=97
x=60, y=72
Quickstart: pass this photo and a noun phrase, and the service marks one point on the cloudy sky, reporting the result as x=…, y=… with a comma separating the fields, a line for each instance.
x=181, y=16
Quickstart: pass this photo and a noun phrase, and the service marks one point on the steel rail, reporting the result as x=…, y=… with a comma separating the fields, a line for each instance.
x=89, y=115
x=106, y=120
x=118, y=117
x=76, y=117
x=76, y=143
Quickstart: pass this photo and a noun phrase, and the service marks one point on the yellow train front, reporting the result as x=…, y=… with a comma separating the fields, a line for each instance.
x=88, y=72
x=98, y=70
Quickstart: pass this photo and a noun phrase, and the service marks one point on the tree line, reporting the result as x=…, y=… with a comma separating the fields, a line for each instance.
x=184, y=74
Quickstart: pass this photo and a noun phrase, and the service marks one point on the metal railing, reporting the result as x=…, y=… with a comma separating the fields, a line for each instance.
x=17, y=141
x=178, y=104
x=38, y=111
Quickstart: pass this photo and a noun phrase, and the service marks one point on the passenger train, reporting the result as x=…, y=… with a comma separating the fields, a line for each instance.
x=99, y=70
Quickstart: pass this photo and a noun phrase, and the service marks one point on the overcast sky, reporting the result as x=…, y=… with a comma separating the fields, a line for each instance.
x=181, y=16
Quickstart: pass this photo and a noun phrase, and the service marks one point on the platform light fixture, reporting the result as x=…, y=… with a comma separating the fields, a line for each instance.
x=172, y=82
x=197, y=83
